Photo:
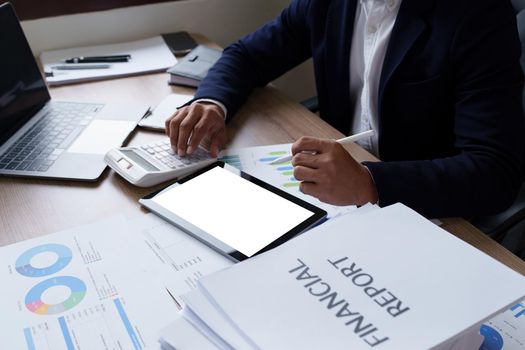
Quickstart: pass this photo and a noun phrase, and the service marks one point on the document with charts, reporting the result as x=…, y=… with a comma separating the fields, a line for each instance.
x=184, y=260
x=91, y=287
x=256, y=161
x=506, y=331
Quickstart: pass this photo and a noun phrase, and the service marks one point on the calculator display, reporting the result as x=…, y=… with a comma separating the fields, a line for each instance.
x=139, y=160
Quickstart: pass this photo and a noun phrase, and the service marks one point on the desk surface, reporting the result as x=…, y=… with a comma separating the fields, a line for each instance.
x=31, y=207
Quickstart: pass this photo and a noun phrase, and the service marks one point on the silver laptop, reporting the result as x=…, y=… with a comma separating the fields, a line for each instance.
x=40, y=137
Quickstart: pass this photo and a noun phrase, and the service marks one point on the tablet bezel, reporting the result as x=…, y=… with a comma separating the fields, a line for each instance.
x=223, y=248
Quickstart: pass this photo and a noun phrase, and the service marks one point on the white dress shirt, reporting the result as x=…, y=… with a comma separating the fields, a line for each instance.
x=373, y=26
x=374, y=21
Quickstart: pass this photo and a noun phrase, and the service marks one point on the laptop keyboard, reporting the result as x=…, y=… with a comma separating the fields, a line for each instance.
x=40, y=146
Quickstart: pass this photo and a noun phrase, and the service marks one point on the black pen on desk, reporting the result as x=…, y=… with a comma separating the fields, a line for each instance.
x=81, y=66
x=96, y=59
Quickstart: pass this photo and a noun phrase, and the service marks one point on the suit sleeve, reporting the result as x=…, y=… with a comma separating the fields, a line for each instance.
x=487, y=80
x=259, y=58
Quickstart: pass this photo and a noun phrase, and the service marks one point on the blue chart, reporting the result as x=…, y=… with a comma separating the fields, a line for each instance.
x=23, y=263
x=493, y=340
x=34, y=301
x=233, y=160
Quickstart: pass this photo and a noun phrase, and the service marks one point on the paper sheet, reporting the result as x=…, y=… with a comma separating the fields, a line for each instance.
x=147, y=56
x=210, y=317
x=91, y=287
x=165, y=109
x=184, y=259
x=181, y=334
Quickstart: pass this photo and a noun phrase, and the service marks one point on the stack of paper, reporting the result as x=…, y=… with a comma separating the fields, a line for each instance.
x=385, y=279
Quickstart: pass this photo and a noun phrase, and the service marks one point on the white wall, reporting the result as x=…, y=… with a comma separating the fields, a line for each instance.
x=222, y=21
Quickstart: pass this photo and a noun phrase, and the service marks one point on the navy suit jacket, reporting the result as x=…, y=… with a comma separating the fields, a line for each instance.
x=451, y=128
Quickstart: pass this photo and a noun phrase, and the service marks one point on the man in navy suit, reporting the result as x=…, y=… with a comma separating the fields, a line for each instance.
x=438, y=80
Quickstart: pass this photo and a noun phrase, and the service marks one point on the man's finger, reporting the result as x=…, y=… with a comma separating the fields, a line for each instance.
x=306, y=160
x=309, y=144
x=302, y=173
x=217, y=142
x=174, y=127
x=310, y=188
x=199, y=131
x=185, y=131
x=167, y=122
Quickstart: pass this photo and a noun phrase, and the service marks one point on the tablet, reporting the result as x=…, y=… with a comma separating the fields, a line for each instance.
x=233, y=212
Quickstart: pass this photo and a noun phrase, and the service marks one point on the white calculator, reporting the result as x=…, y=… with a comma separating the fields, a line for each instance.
x=151, y=164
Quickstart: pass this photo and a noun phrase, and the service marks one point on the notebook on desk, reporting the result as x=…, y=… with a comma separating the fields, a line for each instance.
x=41, y=137
x=191, y=69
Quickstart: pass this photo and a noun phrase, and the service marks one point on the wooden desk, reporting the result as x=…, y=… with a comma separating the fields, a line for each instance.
x=31, y=207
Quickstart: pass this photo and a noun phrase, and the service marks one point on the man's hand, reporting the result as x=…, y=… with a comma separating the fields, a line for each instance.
x=329, y=172
x=191, y=124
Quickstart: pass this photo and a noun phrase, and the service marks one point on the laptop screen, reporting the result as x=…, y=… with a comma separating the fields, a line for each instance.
x=22, y=89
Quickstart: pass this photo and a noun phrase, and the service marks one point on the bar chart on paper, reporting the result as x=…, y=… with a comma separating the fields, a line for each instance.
x=256, y=161
x=70, y=290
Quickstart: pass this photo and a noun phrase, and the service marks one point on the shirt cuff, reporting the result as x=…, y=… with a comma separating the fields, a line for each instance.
x=374, y=181
x=221, y=105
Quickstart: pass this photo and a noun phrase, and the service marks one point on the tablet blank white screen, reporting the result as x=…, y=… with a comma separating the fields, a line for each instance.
x=237, y=212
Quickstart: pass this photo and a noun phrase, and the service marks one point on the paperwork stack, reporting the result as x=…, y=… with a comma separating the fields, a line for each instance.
x=385, y=279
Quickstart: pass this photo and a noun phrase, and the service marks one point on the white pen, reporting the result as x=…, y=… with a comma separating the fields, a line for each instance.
x=356, y=137
x=80, y=66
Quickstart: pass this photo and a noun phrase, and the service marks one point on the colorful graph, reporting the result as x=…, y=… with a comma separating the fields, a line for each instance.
x=271, y=156
x=23, y=263
x=284, y=169
x=493, y=340
x=34, y=301
x=233, y=160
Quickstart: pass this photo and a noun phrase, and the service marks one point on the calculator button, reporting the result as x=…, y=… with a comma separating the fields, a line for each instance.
x=124, y=164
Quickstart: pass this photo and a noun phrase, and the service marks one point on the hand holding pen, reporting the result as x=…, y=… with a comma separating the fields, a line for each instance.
x=344, y=140
x=328, y=172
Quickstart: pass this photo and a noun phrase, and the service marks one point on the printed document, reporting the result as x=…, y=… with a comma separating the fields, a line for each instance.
x=387, y=279
x=91, y=287
x=147, y=56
